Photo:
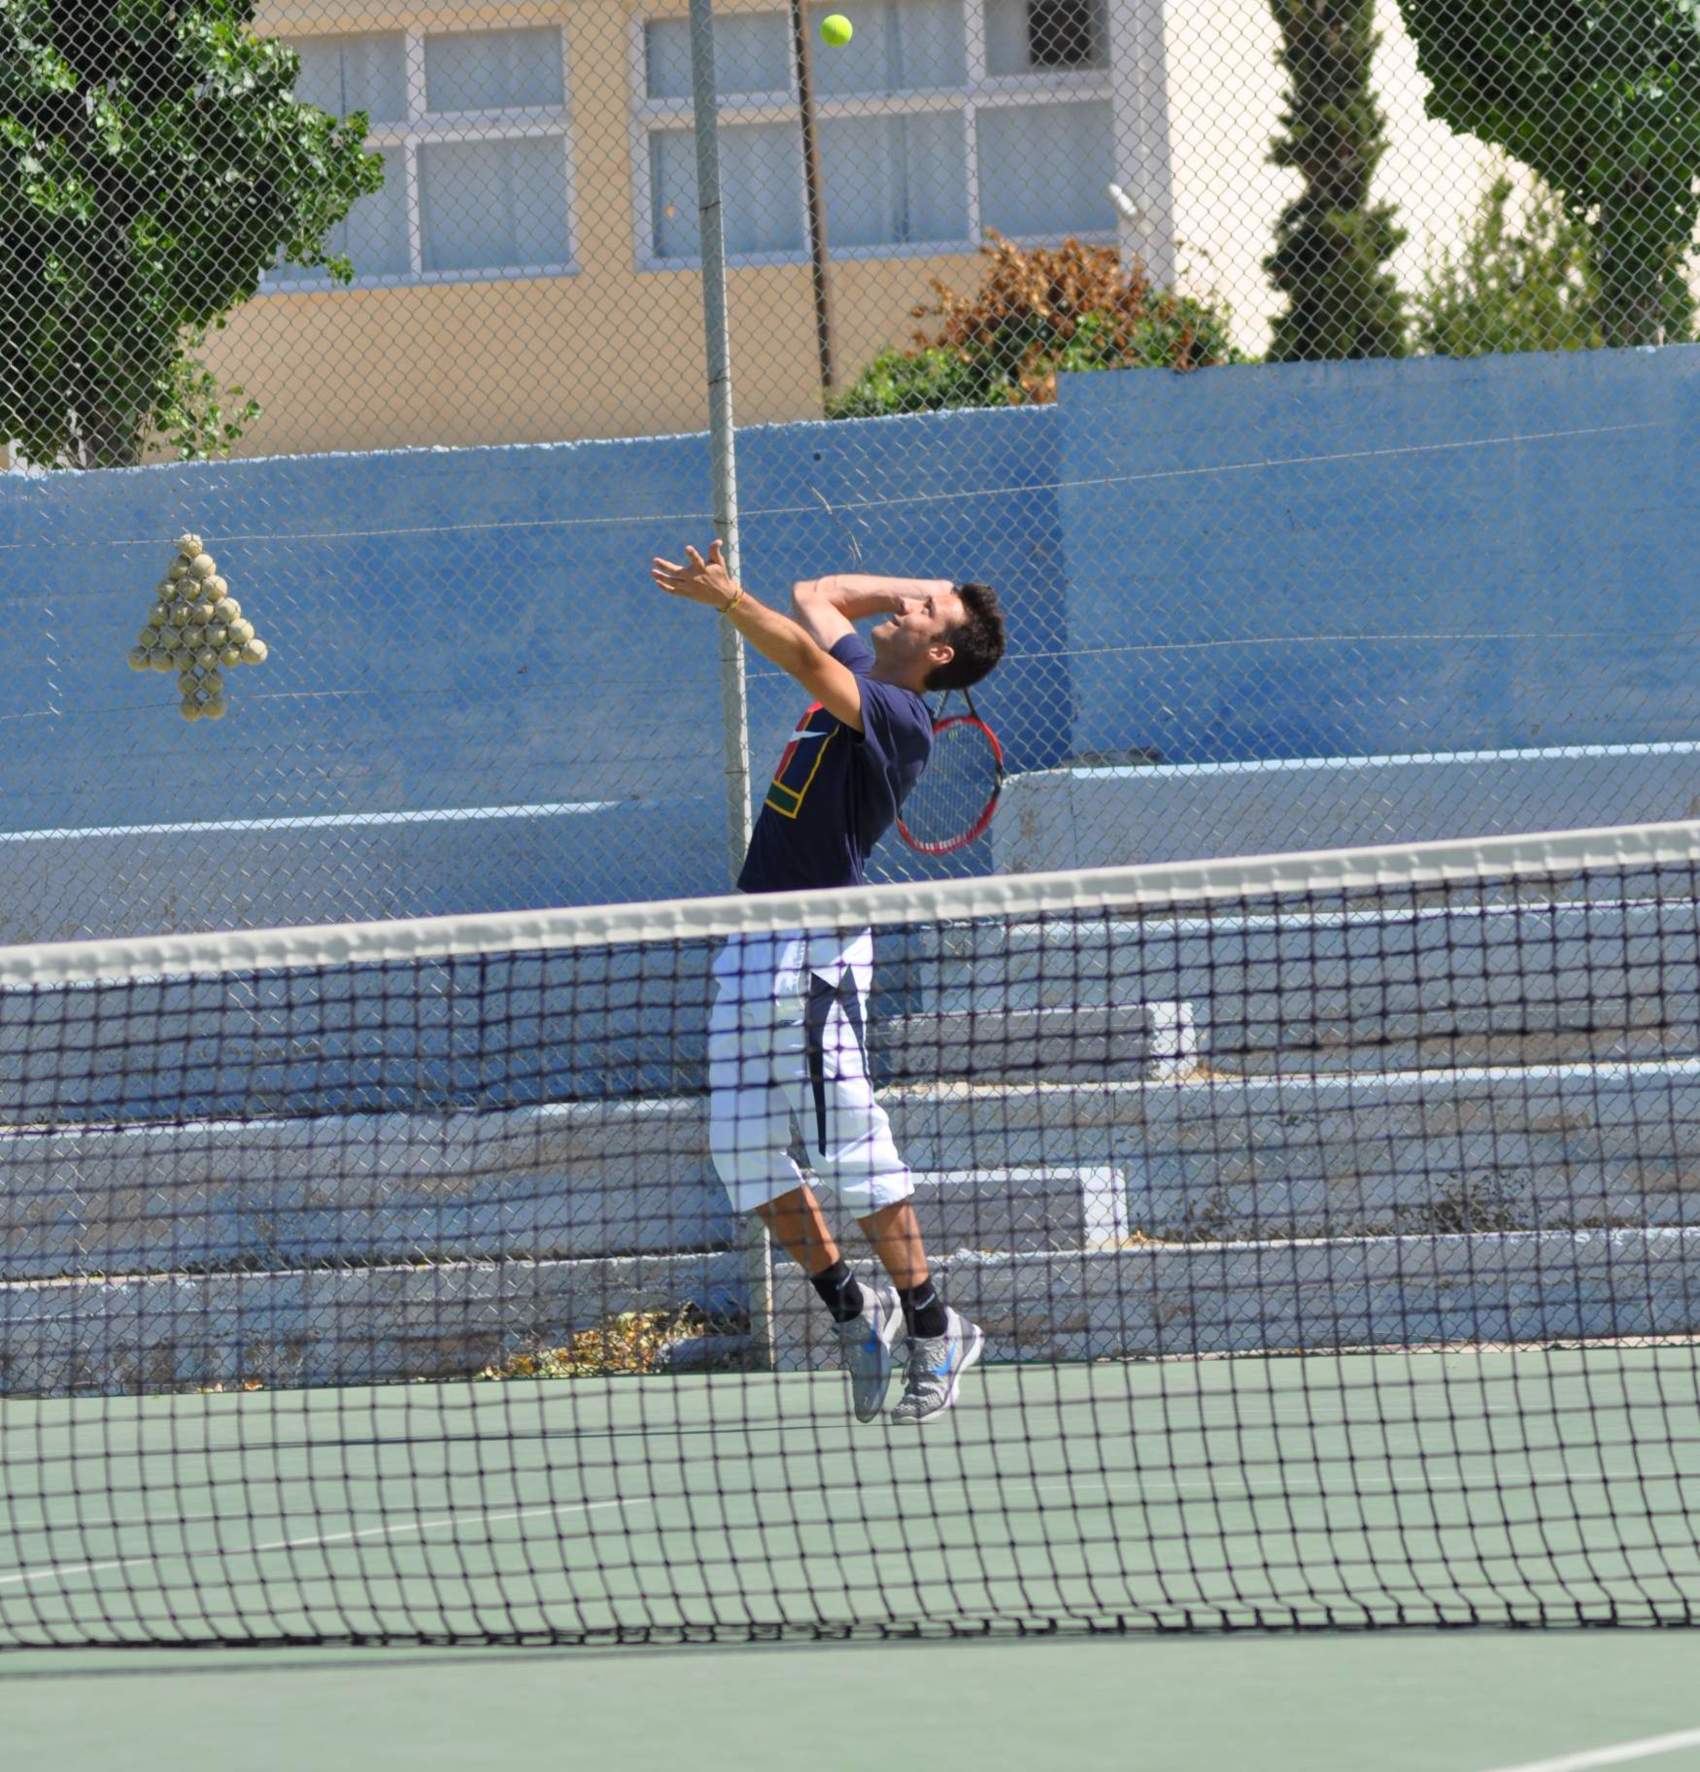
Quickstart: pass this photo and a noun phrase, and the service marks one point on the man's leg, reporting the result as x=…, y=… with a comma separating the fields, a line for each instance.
x=798, y=1227
x=756, y=1039
x=854, y=1154
x=895, y=1235
x=942, y=1343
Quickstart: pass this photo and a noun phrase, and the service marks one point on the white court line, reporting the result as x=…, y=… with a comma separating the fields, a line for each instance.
x=320, y=1538
x=1645, y=1749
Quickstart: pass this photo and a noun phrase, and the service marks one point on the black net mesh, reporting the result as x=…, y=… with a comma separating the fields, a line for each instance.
x=1317, y=1235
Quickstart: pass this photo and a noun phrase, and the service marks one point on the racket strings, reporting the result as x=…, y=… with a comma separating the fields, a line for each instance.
x=956, y=794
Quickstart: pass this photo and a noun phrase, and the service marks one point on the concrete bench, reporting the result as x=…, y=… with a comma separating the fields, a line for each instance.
x=1115, y=816
x=1394, y=1292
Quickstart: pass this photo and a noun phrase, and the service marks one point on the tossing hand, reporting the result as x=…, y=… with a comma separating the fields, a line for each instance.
x=699, y=580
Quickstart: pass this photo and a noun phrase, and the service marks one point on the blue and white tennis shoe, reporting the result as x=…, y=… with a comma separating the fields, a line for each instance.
x=867, y=1342
x=936, y=1366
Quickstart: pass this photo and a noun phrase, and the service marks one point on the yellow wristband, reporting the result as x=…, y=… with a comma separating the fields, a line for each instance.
x=733, y=601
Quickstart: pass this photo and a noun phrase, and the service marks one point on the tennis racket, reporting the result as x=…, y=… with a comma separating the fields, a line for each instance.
x=957, y=795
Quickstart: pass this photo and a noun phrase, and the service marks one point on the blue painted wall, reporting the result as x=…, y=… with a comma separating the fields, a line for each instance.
x=1328, y=560
x=458, y=629
x=1253, y=562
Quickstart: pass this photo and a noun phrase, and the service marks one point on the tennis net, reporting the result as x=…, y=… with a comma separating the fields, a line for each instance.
x=1328, y=1219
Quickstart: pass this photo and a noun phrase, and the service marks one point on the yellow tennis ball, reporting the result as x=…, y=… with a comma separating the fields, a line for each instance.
x=836, y=29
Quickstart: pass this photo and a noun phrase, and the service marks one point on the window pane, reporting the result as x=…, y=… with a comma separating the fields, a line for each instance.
x=891, y=181
x=752, y=53
x=1020, y=145
x=494, y=70
x=494, y=205
x=896, y=48
x=760, y=170
x=1036, y=36
x=673, y=193
x=373, y=236
x=347, y=74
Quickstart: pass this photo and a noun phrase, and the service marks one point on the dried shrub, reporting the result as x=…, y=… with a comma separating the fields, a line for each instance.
x=1036, y=313
x=633, y=1341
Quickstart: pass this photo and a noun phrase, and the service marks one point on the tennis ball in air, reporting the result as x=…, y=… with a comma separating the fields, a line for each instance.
x=836, y=29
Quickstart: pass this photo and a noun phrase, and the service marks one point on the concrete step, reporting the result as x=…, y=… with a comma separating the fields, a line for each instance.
x=1023, y=1209
x=1114, y=816
x=392, y=1188
x=373, y=1325
x=1345, y=1155
x=1300, y=1297
x=1059, y=1001
x=1003, y=1167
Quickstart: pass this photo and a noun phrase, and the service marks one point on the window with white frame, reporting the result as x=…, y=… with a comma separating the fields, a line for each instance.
x=940, y=119
x=473, y=128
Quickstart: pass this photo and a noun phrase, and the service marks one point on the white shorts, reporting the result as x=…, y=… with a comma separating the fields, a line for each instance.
x=786, y=1058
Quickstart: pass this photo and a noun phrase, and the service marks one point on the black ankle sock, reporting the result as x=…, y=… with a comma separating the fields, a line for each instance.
x=923, y=1310
x=839, y=1291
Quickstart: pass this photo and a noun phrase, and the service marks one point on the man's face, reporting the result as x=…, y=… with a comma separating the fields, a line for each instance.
x=905, y=644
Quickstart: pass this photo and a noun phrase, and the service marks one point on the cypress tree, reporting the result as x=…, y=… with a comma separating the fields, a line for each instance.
x=1332, y=244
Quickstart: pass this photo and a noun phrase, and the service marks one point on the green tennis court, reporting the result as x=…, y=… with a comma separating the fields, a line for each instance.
x=1367, y=1489
x=1398, y=1701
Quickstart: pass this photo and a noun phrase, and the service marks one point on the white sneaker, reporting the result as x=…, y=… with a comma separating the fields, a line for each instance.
x=936, y=1366
x=867, y=1342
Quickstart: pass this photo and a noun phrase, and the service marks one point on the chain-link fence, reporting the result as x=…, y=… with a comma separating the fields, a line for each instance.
x=1097, y=300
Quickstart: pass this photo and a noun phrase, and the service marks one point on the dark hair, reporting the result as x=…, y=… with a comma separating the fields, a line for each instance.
x=976, y=640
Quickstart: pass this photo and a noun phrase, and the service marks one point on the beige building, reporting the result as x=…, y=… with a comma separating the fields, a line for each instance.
x=528, y=271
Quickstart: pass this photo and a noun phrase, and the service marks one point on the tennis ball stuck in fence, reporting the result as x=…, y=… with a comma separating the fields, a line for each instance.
x=194, y=626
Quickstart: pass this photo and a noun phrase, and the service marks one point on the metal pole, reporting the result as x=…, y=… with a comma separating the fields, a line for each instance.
x=723, y=473
x=803, y=54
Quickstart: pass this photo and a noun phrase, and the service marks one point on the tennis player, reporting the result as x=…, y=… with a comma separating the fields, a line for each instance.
x=785, y=1036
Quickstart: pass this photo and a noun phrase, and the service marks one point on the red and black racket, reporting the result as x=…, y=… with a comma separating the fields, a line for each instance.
x=957, y=795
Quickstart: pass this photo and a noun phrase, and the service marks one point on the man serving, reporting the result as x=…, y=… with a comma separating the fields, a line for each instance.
x=785, y=1041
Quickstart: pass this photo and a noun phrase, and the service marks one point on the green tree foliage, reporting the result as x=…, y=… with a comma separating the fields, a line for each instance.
x=1332, y=244
x=153, y=163
x=1600, y=98
x=1521, y=282
x=1037, y=313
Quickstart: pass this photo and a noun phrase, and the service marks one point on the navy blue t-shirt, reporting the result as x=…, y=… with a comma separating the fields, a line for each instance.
x=837, y=790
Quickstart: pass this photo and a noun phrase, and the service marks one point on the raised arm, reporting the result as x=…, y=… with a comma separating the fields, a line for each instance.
x=786, y=643
x=828, y=607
